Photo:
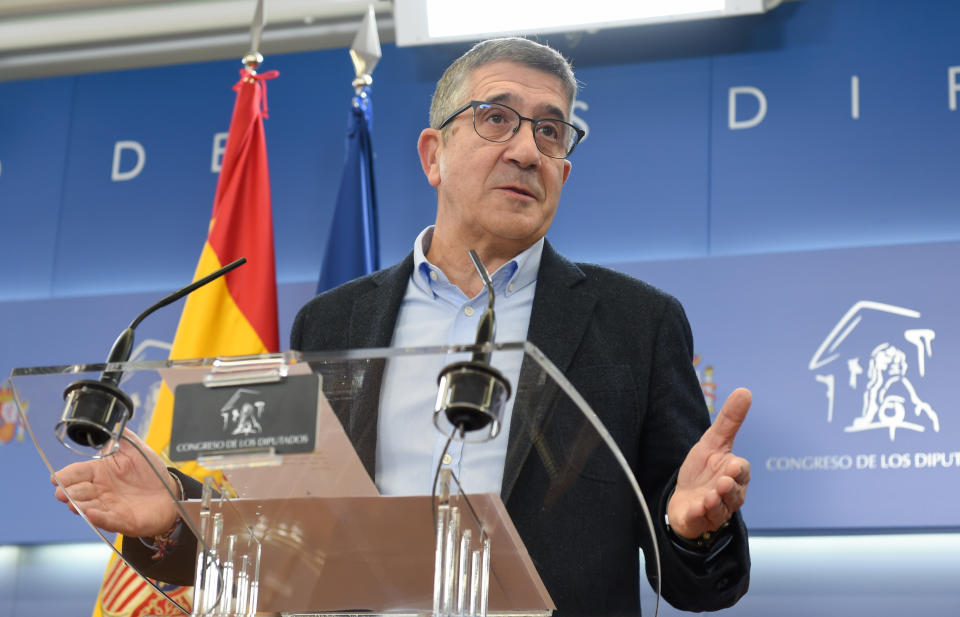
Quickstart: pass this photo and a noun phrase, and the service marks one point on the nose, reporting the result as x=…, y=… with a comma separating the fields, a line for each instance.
x=522, y=149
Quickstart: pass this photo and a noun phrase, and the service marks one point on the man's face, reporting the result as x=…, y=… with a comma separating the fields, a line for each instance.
x=497, y=195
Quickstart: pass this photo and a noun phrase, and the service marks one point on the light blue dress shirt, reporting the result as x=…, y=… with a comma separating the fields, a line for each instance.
x=436, y=312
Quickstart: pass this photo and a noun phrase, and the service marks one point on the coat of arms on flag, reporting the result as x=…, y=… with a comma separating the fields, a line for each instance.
x=10, y=425
x=124, y=594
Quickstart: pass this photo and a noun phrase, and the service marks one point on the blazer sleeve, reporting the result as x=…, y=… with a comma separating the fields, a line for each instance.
x=676, y=417
x=179, y=564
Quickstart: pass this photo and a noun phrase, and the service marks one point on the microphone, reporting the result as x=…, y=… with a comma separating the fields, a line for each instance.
x=95, y=412
x=472, y=394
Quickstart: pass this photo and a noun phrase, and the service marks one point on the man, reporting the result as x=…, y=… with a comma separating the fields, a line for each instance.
x=626, y=346
x=498, y=186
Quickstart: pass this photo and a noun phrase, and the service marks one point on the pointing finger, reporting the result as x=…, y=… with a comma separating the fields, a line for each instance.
x=724, y=429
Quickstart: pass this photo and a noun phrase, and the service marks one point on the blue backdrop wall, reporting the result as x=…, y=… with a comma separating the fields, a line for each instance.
x=744, y=165
x=661, y=175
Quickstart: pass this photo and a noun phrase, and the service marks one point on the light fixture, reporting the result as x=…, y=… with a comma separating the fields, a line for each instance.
x=420, y=22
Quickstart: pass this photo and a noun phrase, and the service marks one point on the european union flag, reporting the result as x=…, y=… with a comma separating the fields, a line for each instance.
x=352, y=246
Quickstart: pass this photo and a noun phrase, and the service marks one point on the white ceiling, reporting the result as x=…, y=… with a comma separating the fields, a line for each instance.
x=56, y=37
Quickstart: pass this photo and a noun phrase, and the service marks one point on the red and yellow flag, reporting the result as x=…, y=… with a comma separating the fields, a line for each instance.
x=234, y=315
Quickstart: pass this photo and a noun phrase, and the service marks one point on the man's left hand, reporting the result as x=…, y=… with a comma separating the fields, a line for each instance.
x=712, y=482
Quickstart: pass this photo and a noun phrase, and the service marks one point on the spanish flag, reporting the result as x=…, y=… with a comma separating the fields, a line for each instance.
x=234, y=315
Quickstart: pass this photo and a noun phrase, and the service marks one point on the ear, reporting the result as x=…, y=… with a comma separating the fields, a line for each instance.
x=566, y=170
x=428, y=147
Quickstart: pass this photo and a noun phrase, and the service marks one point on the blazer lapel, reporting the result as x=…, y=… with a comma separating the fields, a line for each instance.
x=372, y=322
x=559, y=318
x=375, y=311
x=561, y=311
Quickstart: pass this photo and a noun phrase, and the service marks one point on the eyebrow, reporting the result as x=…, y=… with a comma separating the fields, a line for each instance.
x=548, y=109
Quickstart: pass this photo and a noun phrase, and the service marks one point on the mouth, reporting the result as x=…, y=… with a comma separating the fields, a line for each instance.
x=518, y=191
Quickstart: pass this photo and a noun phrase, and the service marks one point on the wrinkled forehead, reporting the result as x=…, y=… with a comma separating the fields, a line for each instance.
x=529, y=90
x=539, y=109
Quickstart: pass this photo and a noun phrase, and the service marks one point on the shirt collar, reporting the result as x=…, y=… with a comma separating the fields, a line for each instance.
x=509, y=278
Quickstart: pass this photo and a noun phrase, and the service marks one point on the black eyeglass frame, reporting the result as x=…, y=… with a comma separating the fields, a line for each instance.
x=534, y=122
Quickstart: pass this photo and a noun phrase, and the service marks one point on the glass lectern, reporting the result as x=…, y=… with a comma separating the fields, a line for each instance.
x=285, y=513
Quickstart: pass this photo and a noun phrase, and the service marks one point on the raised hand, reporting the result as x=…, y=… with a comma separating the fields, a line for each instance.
x=712, y=482
x=121, y=492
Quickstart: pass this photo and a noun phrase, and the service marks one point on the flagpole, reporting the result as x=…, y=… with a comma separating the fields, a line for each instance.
x=352, y=246
x=253, y=59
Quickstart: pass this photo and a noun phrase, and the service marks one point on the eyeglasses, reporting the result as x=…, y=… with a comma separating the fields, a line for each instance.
x=498, y=123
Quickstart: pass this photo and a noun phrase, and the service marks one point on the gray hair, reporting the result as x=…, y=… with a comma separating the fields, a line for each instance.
x=450, y=89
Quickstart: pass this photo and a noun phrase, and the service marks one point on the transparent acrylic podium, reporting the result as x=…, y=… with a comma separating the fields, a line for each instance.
x=281, y=532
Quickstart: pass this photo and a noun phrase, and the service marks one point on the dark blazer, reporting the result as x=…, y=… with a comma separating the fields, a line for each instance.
x=627, y=348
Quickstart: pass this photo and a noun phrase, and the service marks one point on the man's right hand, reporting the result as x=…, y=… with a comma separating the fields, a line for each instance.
x=121, y=493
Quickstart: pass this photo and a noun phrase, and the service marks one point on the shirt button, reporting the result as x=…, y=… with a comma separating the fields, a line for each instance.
x=447, y=459
x=433, y=275
x=468, y=311
x=510, y=287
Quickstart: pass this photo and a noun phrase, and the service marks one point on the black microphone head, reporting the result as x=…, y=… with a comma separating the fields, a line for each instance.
x=95, y=413
x=472, y=396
